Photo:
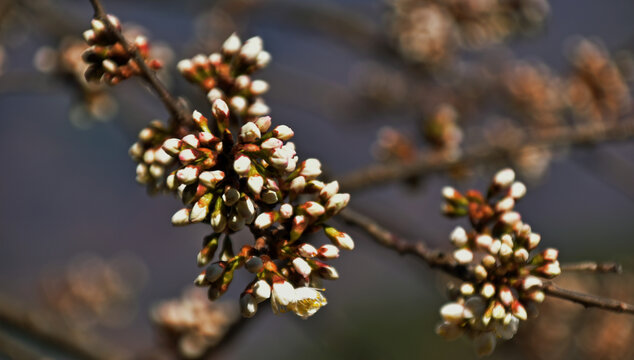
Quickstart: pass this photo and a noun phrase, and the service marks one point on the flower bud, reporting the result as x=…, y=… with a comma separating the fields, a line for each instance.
x=504, y=178
x=340, y=239
x=258, y=87
x=200, y=209
x=480, y=272
x=328, y=252
x=181, y=217
x=301, y=266
x=263, y=122
x=452, y=313
x=258, y=108
x=215, y=94
x=518, y=310
x=249, y=132
x=248, y=305
x=337, y=202
x=307, y=250
x=254, y=264
x=488, y=290
x=261, y=290
x=505, y=204
x=328, y=272
x=520, y=255
x=269, y=197
x=531, y=282
x=484, y=241
x=484, y=343
x=314, y=209
x=459, y=237
x=172, y=146
x=211, y=178
x=533, y=240
x=286, y=211
x=298, y=184
x=311, y=168
x=251, y=49
x=506, y=295
x=255, y=183
x=215, y=271
x=187, y=175
x=517, y=190
x=263, y=59
x=232, y=45
x=329, y=190
x=264, y=220
x=246, y=208
x=218, y=221
x=449, y=331
x=463, y=256
x=220, y=110
x=242, y=165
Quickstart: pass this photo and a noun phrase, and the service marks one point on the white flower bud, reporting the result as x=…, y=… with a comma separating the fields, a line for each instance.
x=329, y=190
x=170, y=181
x=459, y=237
x=249, y=132
x=302, y=267
x=533, y=240
x=199, y=212
x=521, y=255
x=504, y=178
x=488, y=290
x=518, y=310
x=484, y=241
x=238, y=104
x=220, y=109
x=328, y=251
x=258, y=108
x=258, y=87
x=314, y=209
x=157, y=171
x=211, y=178
x=109, y=65
x=181, y=217
x=283, y=132
x=172, y=146
x=251, y=49
x=328, y=272
x=283, y=293
x=136, y=150
x=286, y=211
x=505, y=204
x=463, y=256
x=311, y=168
x=215, y=94
x=506, y=295
x=518, y=190
x=263, y=122
x=148, y=156
x=187, y=175
x=307, y=250
x=185, y=66
x=452, y=313
x=264, y=220
x=162, y=157
x=255, y=183
x=298, y=184
x=337, y=202
x=191, y=140
x=248, y=305
x=510, y=218
x=261, y=290
x=242, y=165
x=187, y=156
x=263, y=59
x=232, y=45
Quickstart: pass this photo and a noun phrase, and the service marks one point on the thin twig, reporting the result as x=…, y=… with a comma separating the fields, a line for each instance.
x=592, y=266
x=438, y=259
x=430, y=162
x=587, y=300
x=51, y=330
x=178, y=114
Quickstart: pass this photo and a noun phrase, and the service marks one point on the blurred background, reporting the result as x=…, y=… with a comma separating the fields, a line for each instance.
x=84, y=247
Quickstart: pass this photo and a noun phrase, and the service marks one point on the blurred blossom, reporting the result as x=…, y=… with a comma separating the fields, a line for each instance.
x=428, y=31
x=442, y=131
x=596, y=89
x=564, y=328
x=94, y=291
x=393, y=145
x=192, y=325
x=535, y=92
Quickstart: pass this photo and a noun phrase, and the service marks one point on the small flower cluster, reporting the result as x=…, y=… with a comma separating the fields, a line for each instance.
x=191, y=324
x=429, y=31
x=507, y=278
x=597, y=90
x=227, y=76
x=110, y=60
x=256, y=181
x=152, y=161
x=393, y=145
x=441, y=129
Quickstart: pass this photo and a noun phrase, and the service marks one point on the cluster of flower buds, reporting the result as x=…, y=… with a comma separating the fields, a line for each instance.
x=442, y=129
x=507, y=277
x=152, y=161
x=109, y=59
x=255, y=180
x=227, y=76
x=192, y=325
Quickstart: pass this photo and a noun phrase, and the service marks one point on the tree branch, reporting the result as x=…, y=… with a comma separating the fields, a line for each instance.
x=430, y=162
x=178, y=114
x=50, y=330
x=442, y=261
x=592, y=266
